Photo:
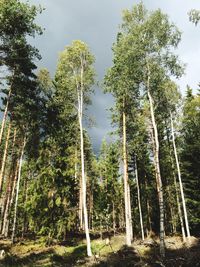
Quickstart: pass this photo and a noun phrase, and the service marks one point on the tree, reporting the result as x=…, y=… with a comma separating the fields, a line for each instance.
x=16, y=55
x=194, y=16
x=75, y=67
x=110, y=196
x=146, y=59
x=190, y=155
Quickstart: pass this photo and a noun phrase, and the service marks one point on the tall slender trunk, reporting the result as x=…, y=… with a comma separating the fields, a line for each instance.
x=148, y=210
x=113, y=217
x=80, y=204
x=3, y=165
x=173, y=226
x=91, y=209
x=130, y=213
x=126, y=195
x=78, y=179
x=84, y=193
x=179, y=178
x=157, y=168
x=177, y=191
x=5, y=116
x=179, y=209
x=17, y=190
x=154, y=156
x=139, y=202
x=25, y=194
x=11, y=200
x=9, y=183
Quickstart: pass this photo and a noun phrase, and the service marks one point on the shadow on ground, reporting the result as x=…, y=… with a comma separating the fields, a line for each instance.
x=186, y=256
x=176, y=256
x=48, y=258
x=140, y=254
x=126, y=256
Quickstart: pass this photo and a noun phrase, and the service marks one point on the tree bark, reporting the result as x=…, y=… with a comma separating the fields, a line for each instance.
x=17, y=190
x=130, y=213
x=139, y=202
x=157, y=168
x=3, y=165
x=5, y=116
x=179, y=178
x=84, y=193
x=91, y=209
x=126, y=195
x=25, y=195
x=179, y=209
x=148, y=210
x=80, y=205
x=113, y=216
x=78, y=178
x=171, y=211
x=9, y=185
x=177, y=191
x=10, y=203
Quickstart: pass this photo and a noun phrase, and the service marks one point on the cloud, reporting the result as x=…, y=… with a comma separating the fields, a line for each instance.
x=96, y=22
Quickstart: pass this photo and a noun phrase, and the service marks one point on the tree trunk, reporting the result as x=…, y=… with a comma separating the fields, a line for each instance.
x=157, y=168
x=9, y=185
x=11, y=200
x=180, y=180
x=177, y=191
x=3, y=165
x=130, y=213
x=179, y=209
x=24, y=228
x=173, y=226
x=80, y=204
x=91, y=209
x=17, y=190
x=113, y=216
x=78, y=178
x=4, y=116
x=148, y=210
x=139, y=202
x=84, y=193
x=126, y=194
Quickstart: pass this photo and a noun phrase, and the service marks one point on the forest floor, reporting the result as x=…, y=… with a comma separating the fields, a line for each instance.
x=114, y=253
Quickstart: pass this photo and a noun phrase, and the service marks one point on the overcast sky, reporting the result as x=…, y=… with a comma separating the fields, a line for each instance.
x=96, y=23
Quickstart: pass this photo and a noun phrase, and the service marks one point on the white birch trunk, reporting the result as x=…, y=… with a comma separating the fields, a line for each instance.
x=80, y=209
x=17, y=190
x=180, y=180
x=8, y=189
x=130, y=213
x=139, y=203
x=3, y=165
x=179, y=210
x=84, y=191
x=126, y=195
x=7, y=222
x=4, y=116
x=157, y=168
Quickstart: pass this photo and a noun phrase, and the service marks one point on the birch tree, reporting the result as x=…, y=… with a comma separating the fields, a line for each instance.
x=147, y=40
x=76, y=71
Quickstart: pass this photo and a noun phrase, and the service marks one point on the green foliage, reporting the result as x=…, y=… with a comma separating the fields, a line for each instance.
x=190, y=156
x=194, y=16
x=48, y=110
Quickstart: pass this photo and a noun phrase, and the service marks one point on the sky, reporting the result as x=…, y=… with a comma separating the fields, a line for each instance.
x=96, y=22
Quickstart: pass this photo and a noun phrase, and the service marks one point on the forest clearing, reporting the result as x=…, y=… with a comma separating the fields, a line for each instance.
x=134, y=201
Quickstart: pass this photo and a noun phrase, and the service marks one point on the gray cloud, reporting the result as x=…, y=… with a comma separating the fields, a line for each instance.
x=96, y=22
